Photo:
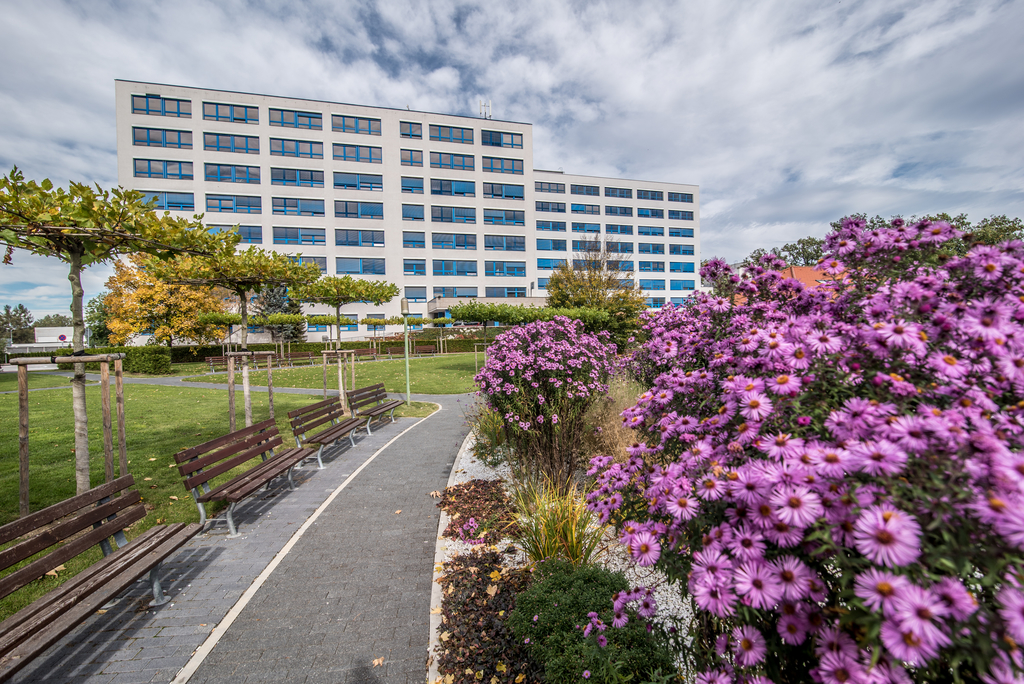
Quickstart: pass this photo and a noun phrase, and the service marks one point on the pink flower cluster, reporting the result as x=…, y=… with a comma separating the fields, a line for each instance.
x=838, y=470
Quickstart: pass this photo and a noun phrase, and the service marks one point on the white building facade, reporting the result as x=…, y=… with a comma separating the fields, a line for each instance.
x=446, y=207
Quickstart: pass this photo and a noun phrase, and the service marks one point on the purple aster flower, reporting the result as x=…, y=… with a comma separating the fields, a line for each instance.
x=879, y=589
x=758, y=585
x=680, y=506
x=717, y=600
x=831, y=639
x=906, y=645
x=748, y=646
x=1011, y=602
x=602, y=640
x=620, y=619
x=645, y=548
x=747, y=543
x=792, y=574
x=877, y=458
x=586, y=674
x=714, y=677
x=797, y=506
x=840, y=668
x=755, y=406
x=918, y=610
x=961, y=603
x=793, y=629
x=887, y=536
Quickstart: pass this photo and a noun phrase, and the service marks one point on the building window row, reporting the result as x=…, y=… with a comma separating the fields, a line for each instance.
x=154, y=105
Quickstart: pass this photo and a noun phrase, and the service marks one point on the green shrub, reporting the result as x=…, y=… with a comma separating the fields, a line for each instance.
x=149, y=360
x=560, y=599
x=489, y=429
x=554, y=524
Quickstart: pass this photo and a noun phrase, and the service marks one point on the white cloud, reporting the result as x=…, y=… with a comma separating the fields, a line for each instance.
x=787, y=114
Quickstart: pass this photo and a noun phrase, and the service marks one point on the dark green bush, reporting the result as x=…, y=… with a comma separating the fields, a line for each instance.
x=561, y=598
x=150, y=360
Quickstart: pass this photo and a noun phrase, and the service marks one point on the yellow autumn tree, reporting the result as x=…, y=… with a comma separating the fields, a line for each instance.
x=140, y=303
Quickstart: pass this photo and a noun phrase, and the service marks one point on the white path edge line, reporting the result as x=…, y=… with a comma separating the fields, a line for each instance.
x=185, y=673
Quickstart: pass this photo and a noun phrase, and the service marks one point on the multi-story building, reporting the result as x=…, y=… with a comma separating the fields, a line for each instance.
x=447, y=207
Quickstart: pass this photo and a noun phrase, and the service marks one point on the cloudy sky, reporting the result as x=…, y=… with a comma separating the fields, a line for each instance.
x=787, y=113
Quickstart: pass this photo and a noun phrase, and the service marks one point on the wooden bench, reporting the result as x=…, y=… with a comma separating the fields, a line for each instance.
x=396, y=351
x=426, y=349
x=309, y=357
x=327, y=412
x=215, y=361
x=364, y=353
x=201, y=464
x=372, y=402
x=68, y=529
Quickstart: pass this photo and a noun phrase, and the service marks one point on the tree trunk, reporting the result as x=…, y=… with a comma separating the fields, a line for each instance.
x=78, y=382
x=244, y=310
x=337, y=319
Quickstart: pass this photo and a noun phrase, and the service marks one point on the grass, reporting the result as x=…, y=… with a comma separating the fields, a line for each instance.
x=160, y=422
x=448, y=374
x=9, y=381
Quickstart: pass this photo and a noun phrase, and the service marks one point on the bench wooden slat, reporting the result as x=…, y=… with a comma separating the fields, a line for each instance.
x=230, y=463
x=334, y=433
x=242, y=481
x=325, y=416
x=191, y=452
x=18, y=528
x=317, y=405
x=185, y=469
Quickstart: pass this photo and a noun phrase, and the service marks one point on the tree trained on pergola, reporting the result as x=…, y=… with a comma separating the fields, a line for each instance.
x=250, y=270
x=336, y=292
x=83, y=226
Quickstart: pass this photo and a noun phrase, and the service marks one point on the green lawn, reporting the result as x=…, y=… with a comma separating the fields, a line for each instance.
x=9, y=381
x=160, y=422
x=448, y=374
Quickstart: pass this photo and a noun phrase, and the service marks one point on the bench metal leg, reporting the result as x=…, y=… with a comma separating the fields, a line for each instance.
x=202, y=511
x=352, y=437
x=159, y=598
x=393, y=414
x=291, y=483
x=319, y=459
x=368, y=421
x=231, y=522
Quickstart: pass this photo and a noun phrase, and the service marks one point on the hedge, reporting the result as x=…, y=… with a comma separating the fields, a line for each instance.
x=149, y=360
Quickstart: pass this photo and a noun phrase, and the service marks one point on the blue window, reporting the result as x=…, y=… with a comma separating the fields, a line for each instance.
x=412, y=157
x=547, y=245
x=412, y=212
x=680, y=215
x=619, y=247
x=154, y=105
x=585, y=190
x=618, y=229
x=505, y=268
x=652, y=284
x=623, y=193
x=556, y=207
x=444, y=160
x=650, y=213
x=370, y=210
x=455, y=292
x=649, y=248
x=213, y=111
x=232, y=174
x=501, y=139
x=416, y=293
x=499, y=165
x=303, y=178
x=417, y=326
x=504, y=217
x=680, y=197
x=680, y=232
x=542, y=283
x=352, y=317
x=505, y=243
x=293, y=206
x=656, y=195
x=549, y=264
x=540, y=186
x=299, y=236
x=586, y=208
x=451, y=134
x=586, y=227
x=355, y=124
x=452, y=188
x=682, y=250
x=414, y=240
x=407, y=129
x=352, y=265
x=675, y=266
x=682, y=284
x=357, y=153
x=159, y=137
x=315, y=328
x=453, y=241
x=505, y=292
x=222, y=142
x=652, y=266
x=174, y=201
x=280, y=147
x=289, y=118
x=414, y=267
x=620, y=266
x=456, y=268
x=156, y=168
x=655, y=302
x=412, y=185
x=238, y=204
x=683, y=267
x=504, y=191
x=650, y=230
x=618, y=211
x=554, y=226
x=358, y=181
x=251, y=234
x=359, y=238
x=586, y=245
x=678, y=301
x=320, y=262
x=453, y=214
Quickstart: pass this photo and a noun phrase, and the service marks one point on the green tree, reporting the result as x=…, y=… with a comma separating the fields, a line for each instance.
x=336, y=292
x=96, y=315
x=14, y=322
x=83, y=226
x=275, y=300
x=807, y=251
x=988, y=231
x=54, y=321
x=593, y=281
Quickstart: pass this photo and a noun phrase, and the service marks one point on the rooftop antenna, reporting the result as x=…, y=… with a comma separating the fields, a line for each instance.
x=485, y=109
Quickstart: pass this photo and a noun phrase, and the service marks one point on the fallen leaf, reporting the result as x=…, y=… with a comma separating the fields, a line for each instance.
x=100, y=612
x=159, y=520
x=202, y=625
x=449, y=678
x=496, y=575
x=174, y=498
x=398, y=511
x=501, y=613
x=435, y=494
x=494, y=680
x=377, y=662
x=152, y=486
x=152, y=459
x=500, y=667
x=520, y=678
x=445, y=636
x=474, y=570
x=171, y=466
x=53, y=573
x=469, y=670
x=436, y=611
x=492, y=590
x=479, y=675
x=147, y=479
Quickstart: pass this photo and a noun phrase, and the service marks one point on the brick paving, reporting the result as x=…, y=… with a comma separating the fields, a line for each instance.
x=354, y=588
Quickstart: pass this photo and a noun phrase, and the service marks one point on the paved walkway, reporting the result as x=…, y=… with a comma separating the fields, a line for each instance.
x=325, y=580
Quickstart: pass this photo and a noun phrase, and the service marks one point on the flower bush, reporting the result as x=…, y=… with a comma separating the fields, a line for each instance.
x=836, y=473
x=542, y=377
